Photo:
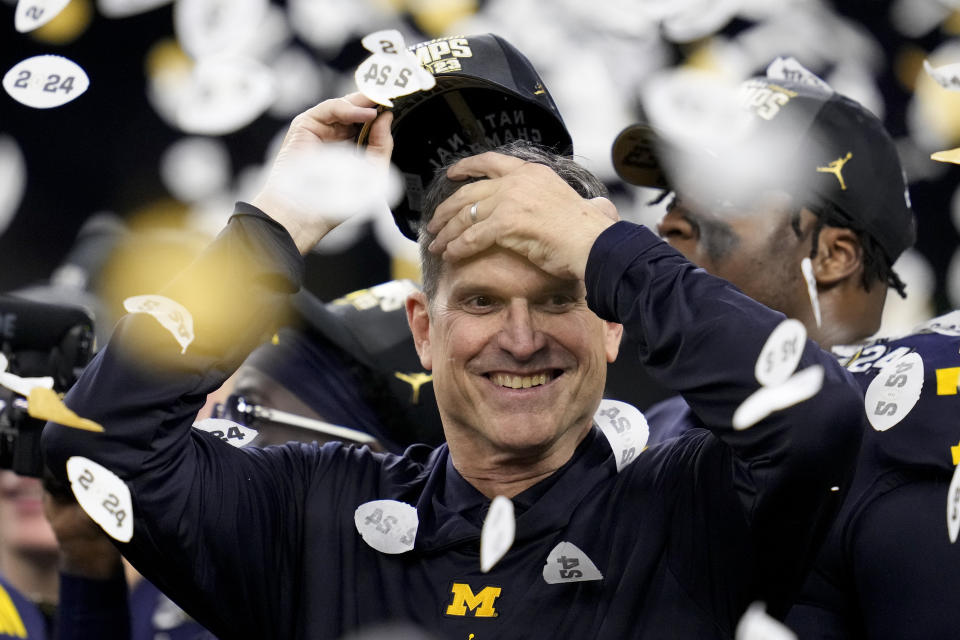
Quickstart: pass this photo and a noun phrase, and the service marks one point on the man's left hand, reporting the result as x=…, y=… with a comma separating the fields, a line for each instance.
x=524, y=207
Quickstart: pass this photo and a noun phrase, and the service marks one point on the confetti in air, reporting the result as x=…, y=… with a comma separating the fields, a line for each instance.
x=766, y=400
x=953, y=506
x=806, y=266
x=567, y=563
x=46, y=404
x=625, y=428
x=894, y=391
x=499, y=529
x=33, y=14
x=391, y=71
x=781, y=353
x=229, y=431
x=389, y=526
x=947, y=76
x=172, y=315
x=757, y=624
x=45, y=81
x=103, y=495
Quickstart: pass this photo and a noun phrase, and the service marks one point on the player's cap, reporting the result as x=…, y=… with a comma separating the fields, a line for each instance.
x=809, y=140
x=487, y=94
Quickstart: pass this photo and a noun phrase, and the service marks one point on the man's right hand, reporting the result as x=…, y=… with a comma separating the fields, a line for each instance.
x=335, y=120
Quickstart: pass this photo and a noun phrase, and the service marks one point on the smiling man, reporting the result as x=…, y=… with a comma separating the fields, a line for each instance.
x=527, y=280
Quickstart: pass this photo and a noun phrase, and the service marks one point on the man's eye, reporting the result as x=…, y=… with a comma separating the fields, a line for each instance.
x=561, y=302
x=479, y=303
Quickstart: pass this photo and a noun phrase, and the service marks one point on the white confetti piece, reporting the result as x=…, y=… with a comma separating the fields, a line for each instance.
x=46, y=81
x=790, y=69
x=21, y=386
x=172, y=315
x=126, y=8
x=893, y=393
x=947, y=76
x=391, y=71
x=195, y=168
x=229, y=431
x=625, y=428
x=499, y=529
x=13, y=179
x=567, y=563
x=224, y=94
x=781, y=353
x=103, y=495
x=806, y=266
x=946, y=325
x=389, y=526
x=208, y=27
x=337, y=182
x=699, y=20
x=953, y=506
x=757, y=624
x=33, y=14
x=765, y=400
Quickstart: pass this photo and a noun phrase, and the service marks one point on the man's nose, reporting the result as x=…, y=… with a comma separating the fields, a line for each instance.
x=520, y=335
x=674, y=227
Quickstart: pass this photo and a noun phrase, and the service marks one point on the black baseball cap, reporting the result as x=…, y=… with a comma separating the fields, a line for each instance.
x=487, y=94
x=809, y=141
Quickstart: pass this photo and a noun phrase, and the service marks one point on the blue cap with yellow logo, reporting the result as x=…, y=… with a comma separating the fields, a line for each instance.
x=487, y=94
x=803, y=138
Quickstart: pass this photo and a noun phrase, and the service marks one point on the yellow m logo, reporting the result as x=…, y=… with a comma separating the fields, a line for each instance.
x=481, y=604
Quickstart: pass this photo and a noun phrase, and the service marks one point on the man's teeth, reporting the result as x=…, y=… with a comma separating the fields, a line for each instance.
x=520, y=382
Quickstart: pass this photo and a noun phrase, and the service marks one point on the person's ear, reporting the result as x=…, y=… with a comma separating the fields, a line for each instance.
x=839, y=256
x=418, y=317
x=613, y=334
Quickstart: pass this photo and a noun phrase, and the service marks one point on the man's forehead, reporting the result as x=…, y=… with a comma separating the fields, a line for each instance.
x=500, y=270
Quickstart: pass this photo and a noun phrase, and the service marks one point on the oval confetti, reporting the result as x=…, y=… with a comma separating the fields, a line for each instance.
x=206, y=27
x=172, y=315
x=229, y=431
x=224, y=94
x=947, y=76
x=13, y=179
x=46, y=404
x=757, y=624
x=946, y=325
x=806, y=267
x=625, y=428
x=337, y=181
x=46, y=81
x=781, y=353
x=567, y=563
x=893, y=393
x=103, y=495
x=389, y=526
x=391, y=71
x=953, y=506
x=499, y=529
x=125, y=8
x=765, y=400
x=33, y=14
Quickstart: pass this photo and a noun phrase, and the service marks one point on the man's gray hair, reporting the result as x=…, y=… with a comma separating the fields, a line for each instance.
x=441, y=187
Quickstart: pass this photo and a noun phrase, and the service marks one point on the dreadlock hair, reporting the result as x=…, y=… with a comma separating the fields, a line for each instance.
x=877, y=267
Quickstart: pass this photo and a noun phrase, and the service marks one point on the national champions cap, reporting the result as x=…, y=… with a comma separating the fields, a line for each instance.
x=487, y=94
x=811, y=141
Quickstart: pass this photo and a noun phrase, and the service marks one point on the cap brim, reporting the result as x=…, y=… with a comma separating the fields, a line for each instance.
x=637, y=153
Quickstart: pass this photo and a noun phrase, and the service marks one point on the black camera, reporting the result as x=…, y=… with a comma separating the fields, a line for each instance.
x=37, y=339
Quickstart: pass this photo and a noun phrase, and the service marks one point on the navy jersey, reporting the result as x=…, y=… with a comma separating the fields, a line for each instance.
x=19, y=617
x=891, y=567
x=264, y=543
x=105, y=610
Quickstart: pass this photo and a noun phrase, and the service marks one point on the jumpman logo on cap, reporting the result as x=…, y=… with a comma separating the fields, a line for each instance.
x=836, y=167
